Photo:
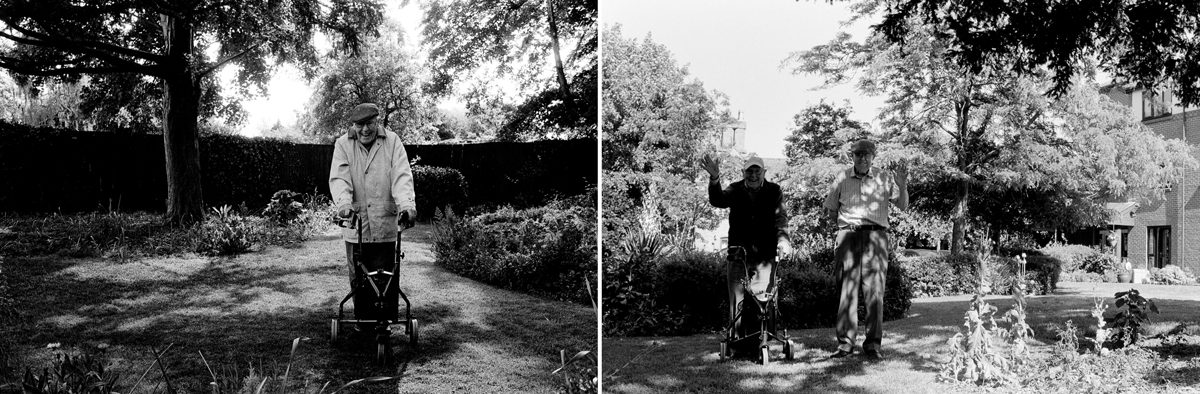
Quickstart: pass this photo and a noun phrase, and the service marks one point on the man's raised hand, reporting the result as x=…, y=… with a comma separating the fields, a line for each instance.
x=712, y=165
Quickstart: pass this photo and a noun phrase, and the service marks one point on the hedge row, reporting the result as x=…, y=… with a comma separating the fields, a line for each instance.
x=89, y=171
x=685, y=293
x=945, y=274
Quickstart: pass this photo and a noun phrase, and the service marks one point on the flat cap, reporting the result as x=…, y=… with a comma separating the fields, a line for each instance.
x=863, y=145
x=363, y=112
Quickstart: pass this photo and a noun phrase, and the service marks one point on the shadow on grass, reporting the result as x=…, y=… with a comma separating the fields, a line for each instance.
x=915, y=348
x=244, y=312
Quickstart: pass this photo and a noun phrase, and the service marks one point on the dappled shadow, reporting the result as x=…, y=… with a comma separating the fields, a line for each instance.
x=245, y=311
x=914, y=347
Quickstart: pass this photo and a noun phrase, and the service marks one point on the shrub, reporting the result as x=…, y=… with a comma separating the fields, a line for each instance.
x=1126, y=326
x=1172, y=275
x=940, y=275
x=649, y=291
x=438, y=188
x=226, y=232
x=284, y=207
x=1070, y=257
x=1100, y=263
x=547, y=251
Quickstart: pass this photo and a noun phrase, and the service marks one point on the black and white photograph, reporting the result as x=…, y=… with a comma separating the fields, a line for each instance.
x=304, y=196
x=900, y=196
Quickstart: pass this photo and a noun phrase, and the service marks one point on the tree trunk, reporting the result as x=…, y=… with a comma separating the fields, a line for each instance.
x=961, y=195
x=558, y=65
x=185, y=202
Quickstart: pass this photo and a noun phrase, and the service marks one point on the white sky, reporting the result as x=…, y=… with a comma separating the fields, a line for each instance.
x=736, y=48
x=287, y=93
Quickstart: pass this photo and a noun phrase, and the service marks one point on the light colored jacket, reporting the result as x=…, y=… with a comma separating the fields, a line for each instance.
x=378, y=182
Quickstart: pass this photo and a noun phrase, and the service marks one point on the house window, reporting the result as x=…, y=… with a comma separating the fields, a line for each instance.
x=1156, y=102
x=1158, y=246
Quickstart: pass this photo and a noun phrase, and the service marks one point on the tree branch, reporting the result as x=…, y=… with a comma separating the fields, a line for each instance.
x=51, y=41
x=228, y=59
x=99, y=55
x=28, y=69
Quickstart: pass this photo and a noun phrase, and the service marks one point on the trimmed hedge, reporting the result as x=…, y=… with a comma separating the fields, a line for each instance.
x=121, y=170
x=438, y=188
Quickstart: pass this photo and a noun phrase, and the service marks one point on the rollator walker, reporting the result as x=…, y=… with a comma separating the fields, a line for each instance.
x=765, y=307
x=377, y=293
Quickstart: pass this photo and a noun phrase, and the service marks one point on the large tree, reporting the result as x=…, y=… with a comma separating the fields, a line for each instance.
x=658, y=122
x=168, y=40
x=520, y=39
x=382, y=73
x=990, y=128
x=820, y=130
x=1143, y=41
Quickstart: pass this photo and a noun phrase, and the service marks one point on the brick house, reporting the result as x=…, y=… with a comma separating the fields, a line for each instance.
x=1167, y=231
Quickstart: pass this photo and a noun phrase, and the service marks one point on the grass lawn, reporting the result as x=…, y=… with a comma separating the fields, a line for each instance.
x=915, y=348
x=243, y=313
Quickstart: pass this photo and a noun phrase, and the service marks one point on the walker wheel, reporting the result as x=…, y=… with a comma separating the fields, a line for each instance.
x=766, y=355
x=382, y=351
x=333, y=330
x=789, y=350
x=724, y=355
x=412, y=332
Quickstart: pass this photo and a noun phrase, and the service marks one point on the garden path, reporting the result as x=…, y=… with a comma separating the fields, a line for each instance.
x=245, y=311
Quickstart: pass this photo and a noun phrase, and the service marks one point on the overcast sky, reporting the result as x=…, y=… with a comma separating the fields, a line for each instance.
x=736, y=47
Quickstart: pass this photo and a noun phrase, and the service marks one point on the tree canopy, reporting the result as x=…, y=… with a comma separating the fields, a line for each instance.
x=382, y=73
x=658, y=122
x=523, y=40
x=820, y=131
x=168, y=40
x=992, y=129
x=1147, y=42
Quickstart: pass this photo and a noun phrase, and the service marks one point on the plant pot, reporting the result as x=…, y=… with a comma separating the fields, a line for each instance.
x=1124, y=277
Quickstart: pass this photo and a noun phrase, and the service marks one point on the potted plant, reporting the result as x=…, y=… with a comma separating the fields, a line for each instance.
x=1125, y=274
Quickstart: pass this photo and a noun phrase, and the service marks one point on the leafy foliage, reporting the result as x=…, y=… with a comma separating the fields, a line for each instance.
x=651, y=288
x=474, y=41
x=438, y=188
x=1172, y=275
x=226, y=233
x=547, y=251
x=81, y=374
x=382, y=73
x=166, y=41
x=658, y=123
x=820, y=131
x=988, y=128
x=1125, y=327
x=1141, y=41
x=974, y=358
x=285, y=207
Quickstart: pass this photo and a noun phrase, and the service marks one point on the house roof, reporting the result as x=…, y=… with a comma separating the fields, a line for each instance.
x=1122, y=213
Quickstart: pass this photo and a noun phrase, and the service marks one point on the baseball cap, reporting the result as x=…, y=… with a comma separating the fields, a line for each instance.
x=363, y=112
x=754, y=161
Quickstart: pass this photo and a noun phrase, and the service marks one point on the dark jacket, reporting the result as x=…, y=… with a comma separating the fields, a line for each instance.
x=757, y=220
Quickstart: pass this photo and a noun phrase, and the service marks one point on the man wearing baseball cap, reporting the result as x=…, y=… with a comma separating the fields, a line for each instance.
x=370, y=176
x=858, y=201
x=757, y=225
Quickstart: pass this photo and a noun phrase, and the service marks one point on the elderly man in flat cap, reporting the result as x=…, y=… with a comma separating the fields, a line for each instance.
x=858, y=201
x=757, y=226
x=370, y=176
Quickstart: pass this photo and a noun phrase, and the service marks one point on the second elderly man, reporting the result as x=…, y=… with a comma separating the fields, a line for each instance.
x=858, y=201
